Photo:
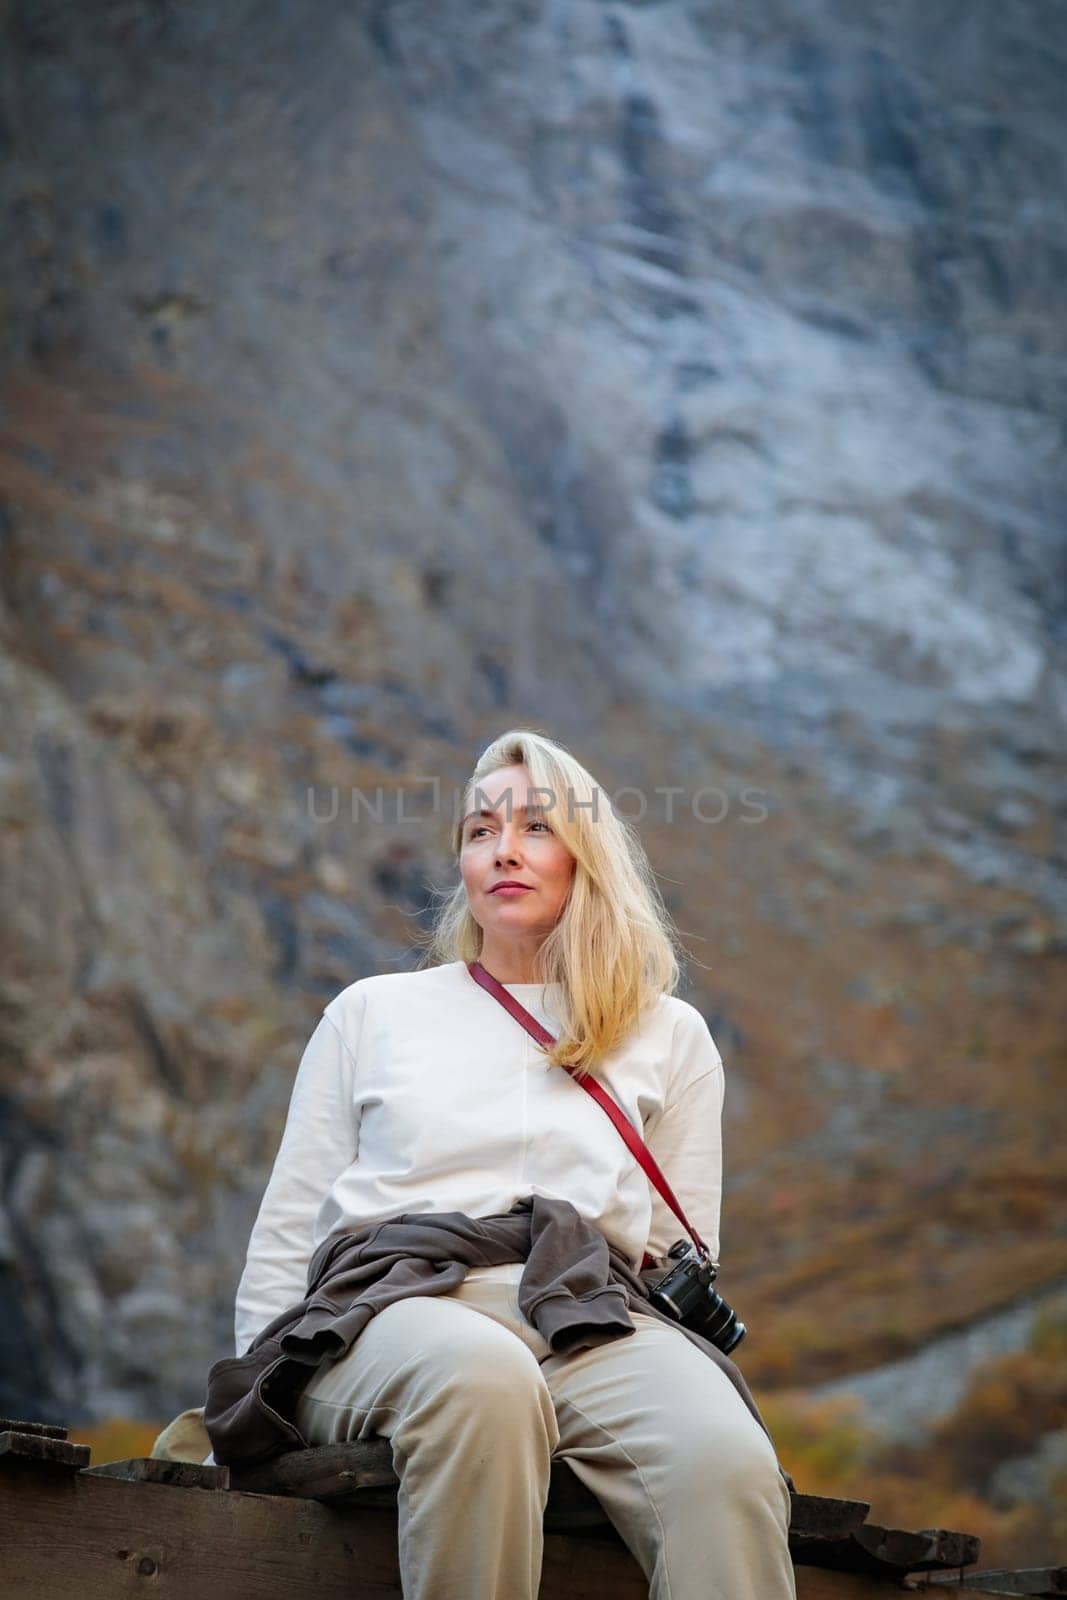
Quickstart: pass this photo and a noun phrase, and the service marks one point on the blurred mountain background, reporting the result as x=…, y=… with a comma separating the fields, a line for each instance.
x=686, y=380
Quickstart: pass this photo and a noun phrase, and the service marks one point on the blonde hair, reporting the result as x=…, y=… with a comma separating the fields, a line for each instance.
x=614, y=949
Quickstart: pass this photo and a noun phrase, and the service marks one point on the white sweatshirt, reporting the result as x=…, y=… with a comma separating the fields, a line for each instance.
x=417, y=1091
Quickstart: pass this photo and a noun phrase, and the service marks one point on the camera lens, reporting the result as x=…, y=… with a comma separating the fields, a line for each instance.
x=722, y=1325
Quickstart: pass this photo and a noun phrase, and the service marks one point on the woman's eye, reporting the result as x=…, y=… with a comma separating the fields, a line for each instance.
x=537, y=823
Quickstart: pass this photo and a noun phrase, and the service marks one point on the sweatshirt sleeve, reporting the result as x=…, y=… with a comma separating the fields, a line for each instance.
x=320, y=1140
x=686, y=1140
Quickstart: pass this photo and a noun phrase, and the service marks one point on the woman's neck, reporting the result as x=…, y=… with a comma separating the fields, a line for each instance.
x=510, y=966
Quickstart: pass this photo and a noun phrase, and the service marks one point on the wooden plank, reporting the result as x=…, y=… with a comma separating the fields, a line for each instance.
x=326, y=1472
x=824, y=1531
x=887, y=1552
x=1043, y=1582
x=45, y=1448
x=574, y=1508
x=816, y=1516
x=576, y=1568
x=897, y=1550
x=46, y=1430
x=813, y=1583
x=817, y=1583
x=180, y=1474
x=362, y=1469
x=104, y=1539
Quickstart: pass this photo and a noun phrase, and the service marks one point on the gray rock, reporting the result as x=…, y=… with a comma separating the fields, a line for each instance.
x=687, y=381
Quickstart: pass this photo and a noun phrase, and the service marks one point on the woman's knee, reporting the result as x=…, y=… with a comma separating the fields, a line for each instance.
x=496, y=1374
x=491, y=1399
x=451, y=1354
x=436, y=1372
x=713, y=1431
x=742, y=1465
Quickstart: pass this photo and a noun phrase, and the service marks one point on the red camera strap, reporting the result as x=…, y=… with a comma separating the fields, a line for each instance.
x=644, y=1155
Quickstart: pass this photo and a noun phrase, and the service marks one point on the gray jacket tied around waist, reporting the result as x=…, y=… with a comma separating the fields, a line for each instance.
x=575, y=1289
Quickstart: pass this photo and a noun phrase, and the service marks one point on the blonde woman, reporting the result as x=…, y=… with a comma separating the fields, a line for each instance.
x=418, y=1093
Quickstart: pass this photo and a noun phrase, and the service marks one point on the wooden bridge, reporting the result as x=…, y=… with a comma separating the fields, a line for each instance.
x=320, y=1524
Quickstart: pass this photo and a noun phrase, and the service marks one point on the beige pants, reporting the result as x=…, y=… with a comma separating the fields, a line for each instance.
x=475, y=1405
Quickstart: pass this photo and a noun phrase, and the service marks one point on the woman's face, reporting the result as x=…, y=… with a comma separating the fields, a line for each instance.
x=514, y=843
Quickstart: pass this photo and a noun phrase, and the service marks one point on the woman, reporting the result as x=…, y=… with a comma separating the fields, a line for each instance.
x=418, y=1092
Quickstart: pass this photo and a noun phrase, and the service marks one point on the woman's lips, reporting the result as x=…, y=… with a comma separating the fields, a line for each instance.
x=510, y=889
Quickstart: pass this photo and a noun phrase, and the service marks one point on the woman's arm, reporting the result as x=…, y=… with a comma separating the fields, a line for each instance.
x=686, y=1140
x=320, y=1140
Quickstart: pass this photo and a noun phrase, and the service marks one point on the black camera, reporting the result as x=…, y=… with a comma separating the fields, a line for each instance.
x=685, y=1293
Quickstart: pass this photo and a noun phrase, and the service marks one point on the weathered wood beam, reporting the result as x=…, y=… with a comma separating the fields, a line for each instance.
x=1044, y=1583
x=88, y=1529
x=179, y=1474
x=362, y=1470
x=897, y=1550
x=44, y=1430
x=816, y=1516
x=888, y=1552
x=325, y=1472
x=824, y=1532
x=101, y=1538
x=817, y=1583
x=44, y=1447
x=338, y=1472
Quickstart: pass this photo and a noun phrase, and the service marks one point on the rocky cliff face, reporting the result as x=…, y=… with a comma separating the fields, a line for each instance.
x=685, y=380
